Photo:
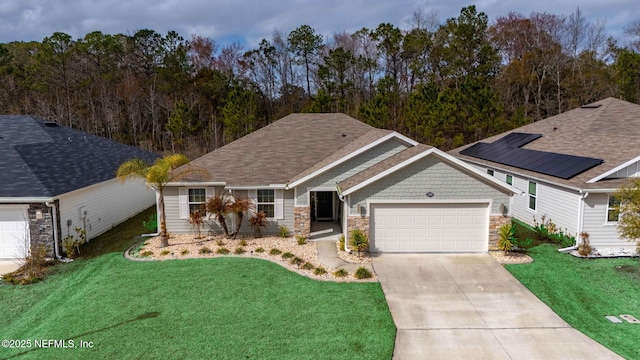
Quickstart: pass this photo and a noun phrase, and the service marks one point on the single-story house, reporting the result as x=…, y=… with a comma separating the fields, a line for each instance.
x=54, y=178
x=307, y=168
x=567, y=167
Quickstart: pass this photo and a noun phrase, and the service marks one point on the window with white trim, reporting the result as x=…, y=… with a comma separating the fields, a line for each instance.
x=509, y=179
x=267, y=202
x=490, y=172
x=197, y=197
x=613, y=210
x=533, y=195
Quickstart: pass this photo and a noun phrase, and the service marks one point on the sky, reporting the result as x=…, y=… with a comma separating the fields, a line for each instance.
x=249, y=21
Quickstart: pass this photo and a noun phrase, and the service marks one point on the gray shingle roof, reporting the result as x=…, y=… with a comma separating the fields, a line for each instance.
x=42, y=159
x=287, y=149
x=610, y=131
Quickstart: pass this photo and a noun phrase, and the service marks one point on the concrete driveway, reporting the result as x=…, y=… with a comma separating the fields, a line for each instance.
x=469, y=307
x=9, y=265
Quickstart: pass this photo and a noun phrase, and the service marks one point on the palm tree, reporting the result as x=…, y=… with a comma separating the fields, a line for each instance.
x=240, y=206
x=219, y=206
x=163, y=171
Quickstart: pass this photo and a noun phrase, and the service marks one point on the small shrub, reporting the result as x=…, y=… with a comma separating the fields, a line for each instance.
x=342, y=242
x=222, y=251
x=584, y=248
x=275, y=251
x=243, y=242
x=297, y=261
x=165, y=252
x=505, y=238
x=205, y=250
x=196, y=218
x=320, y=271
x=284, y=231
x=363, y=273
x=358, y=240
x=220, y=242
x=184, y=252
x=257, y=222
x=301, y=239
x=341, y=273
x=287, y=255
x=548, y=231
x=151, y=225
x=146, y=253
x=239, y=250
x=308, y=266
x=260, y=250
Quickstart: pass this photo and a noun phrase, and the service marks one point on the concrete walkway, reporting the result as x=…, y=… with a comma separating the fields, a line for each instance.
x=325, y=235
x=469, y=307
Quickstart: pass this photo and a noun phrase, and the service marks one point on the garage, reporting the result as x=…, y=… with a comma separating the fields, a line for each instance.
x=14, y=231
x=429, y=227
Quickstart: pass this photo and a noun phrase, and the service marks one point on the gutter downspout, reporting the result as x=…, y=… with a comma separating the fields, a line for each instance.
x=56, y=249
x=346, y=218
x=583, y=196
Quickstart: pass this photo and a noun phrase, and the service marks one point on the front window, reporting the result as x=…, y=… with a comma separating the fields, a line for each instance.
x=266, y=202
x=197, y=197
x=533, y=195
x=509, y=180
x=613, y=209
x=490, y=172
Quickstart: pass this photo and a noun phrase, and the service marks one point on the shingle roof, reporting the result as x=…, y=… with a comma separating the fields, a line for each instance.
x=287, y=149
x=42, y=159
x=608, y=129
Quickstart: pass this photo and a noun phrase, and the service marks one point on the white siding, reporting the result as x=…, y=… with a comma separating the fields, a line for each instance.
x=632, y=170
x=106, y=204
x=601, y=233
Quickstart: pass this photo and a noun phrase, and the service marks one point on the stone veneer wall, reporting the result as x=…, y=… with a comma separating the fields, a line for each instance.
x=41, y=230
x=358, y=222
x=302, y=221
x=495, y=223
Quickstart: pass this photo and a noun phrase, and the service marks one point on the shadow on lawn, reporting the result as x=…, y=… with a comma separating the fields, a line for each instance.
x=147, y=315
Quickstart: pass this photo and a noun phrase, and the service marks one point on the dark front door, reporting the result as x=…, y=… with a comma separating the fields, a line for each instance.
x=324, y=205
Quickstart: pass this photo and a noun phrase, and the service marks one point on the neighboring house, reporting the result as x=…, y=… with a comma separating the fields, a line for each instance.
x=306, y=168
x=54, y=178
x=567, y=166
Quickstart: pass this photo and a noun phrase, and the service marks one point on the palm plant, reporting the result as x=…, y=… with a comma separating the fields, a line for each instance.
x=239, y=207
x=219, y=206
x=163, y=171
x=258, y=221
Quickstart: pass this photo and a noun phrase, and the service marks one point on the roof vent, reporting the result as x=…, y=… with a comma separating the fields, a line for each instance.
x=590, y=106
x=51, y=124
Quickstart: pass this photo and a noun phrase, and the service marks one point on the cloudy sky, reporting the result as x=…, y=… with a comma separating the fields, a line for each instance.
x=249, y=21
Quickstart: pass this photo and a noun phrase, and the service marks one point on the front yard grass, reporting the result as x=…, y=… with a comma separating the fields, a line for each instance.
x=584, y=291
x=221, y=308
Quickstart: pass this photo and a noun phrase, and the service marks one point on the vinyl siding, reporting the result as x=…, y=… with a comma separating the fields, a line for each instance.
x=349, y=168
x=107, y=204
x=429, y=175
x=601, y=233
x=632, y=170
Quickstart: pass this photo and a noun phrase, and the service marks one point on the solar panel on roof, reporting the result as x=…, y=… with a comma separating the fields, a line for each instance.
x=504, y=152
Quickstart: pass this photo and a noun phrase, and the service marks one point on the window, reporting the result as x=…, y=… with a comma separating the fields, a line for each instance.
x=490, y=172
x=509, y=180
x=267, y=202
x=197, y=197
x=613, y=212
x=533, y=192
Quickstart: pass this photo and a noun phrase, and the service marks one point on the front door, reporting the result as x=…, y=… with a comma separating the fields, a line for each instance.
x=324, y=205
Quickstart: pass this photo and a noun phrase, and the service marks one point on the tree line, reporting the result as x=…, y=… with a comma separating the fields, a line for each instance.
x=442, y=83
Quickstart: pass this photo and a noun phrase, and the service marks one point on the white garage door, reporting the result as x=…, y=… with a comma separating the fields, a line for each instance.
x=14, y=231
x=429, y=227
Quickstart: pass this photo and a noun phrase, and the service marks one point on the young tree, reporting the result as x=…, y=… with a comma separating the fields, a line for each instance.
x=628, y=207
x=163, y=171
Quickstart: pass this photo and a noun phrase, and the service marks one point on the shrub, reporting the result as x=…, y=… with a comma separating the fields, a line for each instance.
x=301, y=239
x=151, y=225
x=220, y=242
x=184, y=252
x=257, y=222
x=505, y=238
x=363, y=273
x=548, y=231
x=319, y=271
x=341, y=241
x=358, y=240
x=284, y=231
x=196, y=218
x=222, y=251
x=243, y=242
x=260, y=250
x=287, y=255
x=146, y=253
x=205, y=250
x=239, y=250
x=297, y=261
x=165, y=252
x=341, y=273
x=308, y=266
x=584, y=248
x=275, y=251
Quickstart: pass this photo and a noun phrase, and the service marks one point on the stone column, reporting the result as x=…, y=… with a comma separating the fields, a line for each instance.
x=302, y=221
x=495, y=223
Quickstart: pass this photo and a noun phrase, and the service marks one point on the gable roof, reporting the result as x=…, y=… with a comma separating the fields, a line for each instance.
x=287, y=149
x=608, y=130
x=41, y=159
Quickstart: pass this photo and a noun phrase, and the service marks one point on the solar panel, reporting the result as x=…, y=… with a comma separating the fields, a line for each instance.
x=508, y=151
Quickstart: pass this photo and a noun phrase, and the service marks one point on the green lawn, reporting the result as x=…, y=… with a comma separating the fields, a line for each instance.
x=234, y=308
x=584, y=291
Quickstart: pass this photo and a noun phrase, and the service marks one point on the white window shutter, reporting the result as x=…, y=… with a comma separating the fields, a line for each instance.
x=183, y=198
x=279, y=195
x=253, y=196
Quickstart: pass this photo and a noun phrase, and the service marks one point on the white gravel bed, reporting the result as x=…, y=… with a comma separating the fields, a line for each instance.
x=186, y=246
x=607, y=252
x=352, y=257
